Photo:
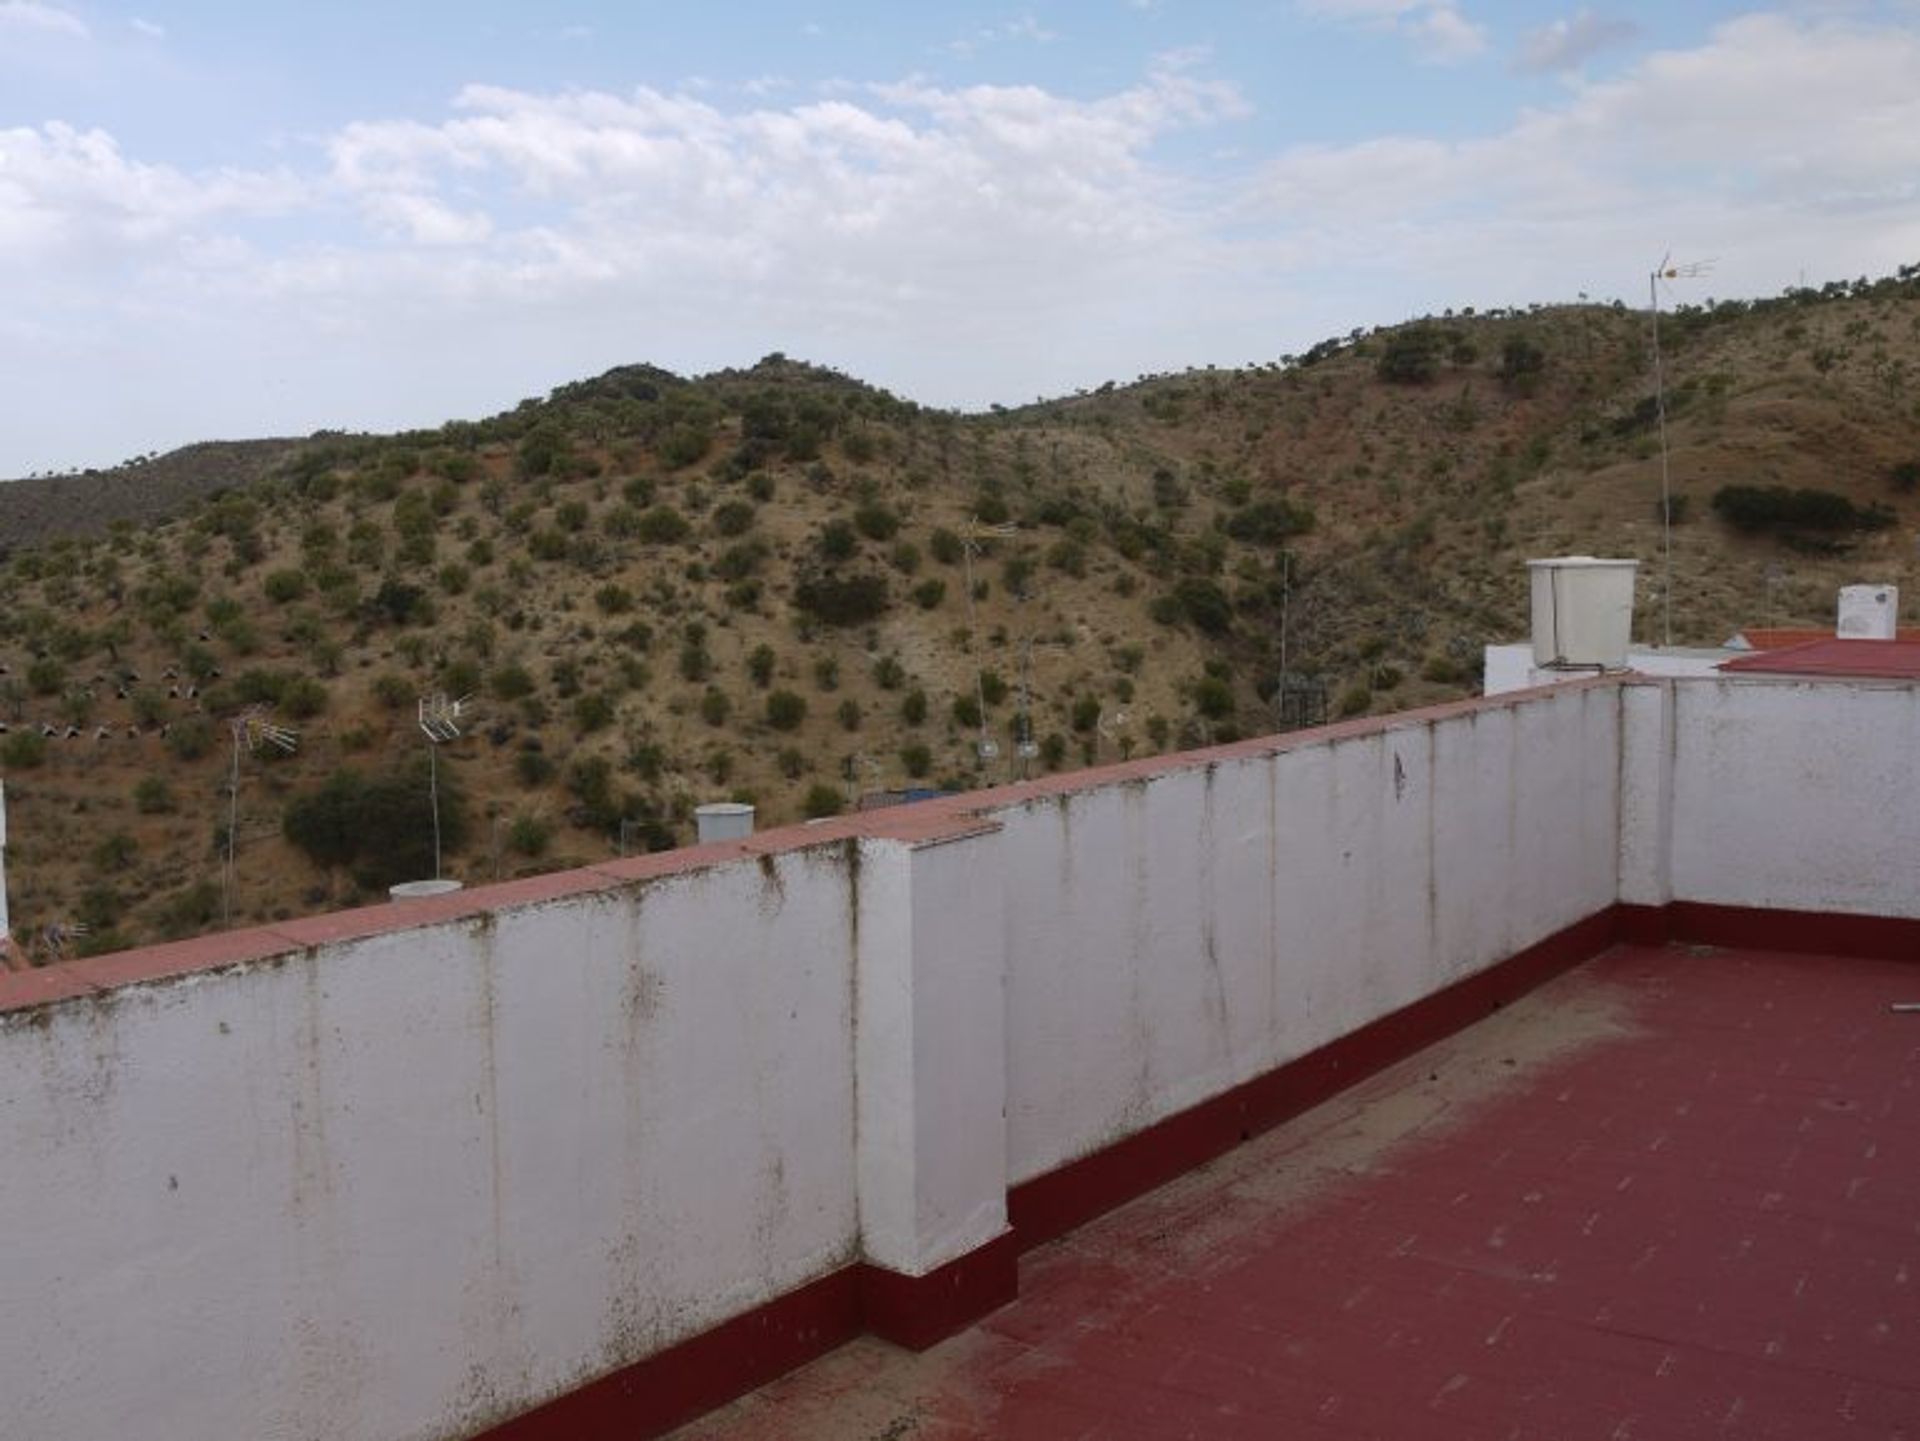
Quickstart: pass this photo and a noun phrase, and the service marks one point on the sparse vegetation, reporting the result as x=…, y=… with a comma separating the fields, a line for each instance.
x=785, y=530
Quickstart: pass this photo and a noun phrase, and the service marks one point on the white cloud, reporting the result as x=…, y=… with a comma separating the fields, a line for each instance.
x=960, y=243
x=68, y=194
x=1772, y=142
x=1439, y=31
x=151, y=29
x=1572, y=40
x=48, y=19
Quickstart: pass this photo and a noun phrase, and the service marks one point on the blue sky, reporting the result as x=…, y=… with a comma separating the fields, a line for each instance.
x=222, y=220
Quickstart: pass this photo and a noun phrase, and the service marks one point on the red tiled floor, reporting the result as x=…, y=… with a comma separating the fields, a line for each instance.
x=1675, y=1194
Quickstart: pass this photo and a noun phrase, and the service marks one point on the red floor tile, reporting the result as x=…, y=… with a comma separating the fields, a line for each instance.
x=1700, y=1220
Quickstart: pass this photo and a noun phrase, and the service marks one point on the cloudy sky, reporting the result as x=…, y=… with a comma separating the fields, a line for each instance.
x=222, y=219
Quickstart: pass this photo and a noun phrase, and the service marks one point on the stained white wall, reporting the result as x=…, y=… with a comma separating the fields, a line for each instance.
x=402, y=1187
x=396, y=1188
x=1796, y=794
x=1170, y=937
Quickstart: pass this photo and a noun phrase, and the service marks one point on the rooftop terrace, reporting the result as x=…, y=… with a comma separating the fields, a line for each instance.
x=1673, y=1193
x=589, y=1155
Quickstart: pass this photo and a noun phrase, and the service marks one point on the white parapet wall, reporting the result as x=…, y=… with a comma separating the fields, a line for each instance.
x=401, y=1174
x=1173, y=936
x=406, y=1185
x=1795, y=794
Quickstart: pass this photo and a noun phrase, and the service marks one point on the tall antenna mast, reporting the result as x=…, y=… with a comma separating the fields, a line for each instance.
x=252, y=728
x=1666, y=270
x=440, y=723
x=987, y=747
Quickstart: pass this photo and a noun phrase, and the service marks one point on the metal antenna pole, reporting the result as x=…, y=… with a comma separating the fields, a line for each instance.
x=233, y=828
x=1666, y=478
x=1666, y=271
x=433, y=796
x=250, y=728
x=1286, y=598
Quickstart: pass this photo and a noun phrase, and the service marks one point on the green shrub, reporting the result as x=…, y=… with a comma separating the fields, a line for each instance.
x=1411, y=355
x=785, y=710
x=929, y=593
x=1783, y=510
x=114, y=852
x=876, y=521
x=837, y=542
x=1213, y=698
x=760, y=664
x=303, y=697
x=190, y=739
x=715, y=707
x=529, y=835
x=381, y=827
x=23, y=750
x=822, y=800
x=733, y=517
x=593, y=711
x=152, y=796
x=913, y=707
x=917, y=760
x=843, y=600
x=1205, y=604
x=663, y=525
x=511, y=681
x=1354, y=701
x=1269, y=522
x=283, y=587
x=946, y=546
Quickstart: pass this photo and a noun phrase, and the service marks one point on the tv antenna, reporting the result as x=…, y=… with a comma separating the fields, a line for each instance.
x=1666, y=270
x=986, y=747
x=253, y=728
x=440, y=719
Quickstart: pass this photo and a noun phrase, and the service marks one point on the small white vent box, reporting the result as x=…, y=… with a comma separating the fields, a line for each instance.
x=1869, y=612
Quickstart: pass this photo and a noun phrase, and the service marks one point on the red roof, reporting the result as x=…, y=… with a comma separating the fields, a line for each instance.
x=1829, y=655
x=1783, y=637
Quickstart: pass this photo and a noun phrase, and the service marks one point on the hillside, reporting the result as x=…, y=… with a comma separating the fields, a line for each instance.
x=141, y=491
x=781, y=584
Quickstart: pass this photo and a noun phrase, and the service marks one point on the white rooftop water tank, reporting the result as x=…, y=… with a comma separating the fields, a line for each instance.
x=723, y=821
x=1582, y=611
x=1869, y=612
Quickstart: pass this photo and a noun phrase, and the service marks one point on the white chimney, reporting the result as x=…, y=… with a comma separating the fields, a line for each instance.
x=1869, y=612
x=1582, y=611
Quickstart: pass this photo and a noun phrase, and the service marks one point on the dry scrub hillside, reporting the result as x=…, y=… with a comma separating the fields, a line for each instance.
x=783, y=585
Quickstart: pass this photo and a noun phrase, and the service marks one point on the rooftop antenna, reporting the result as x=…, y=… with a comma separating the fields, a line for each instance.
x=252, y=728
x=1666, y=270
x=1024, y=744
x=440, y=723
x=986, y=747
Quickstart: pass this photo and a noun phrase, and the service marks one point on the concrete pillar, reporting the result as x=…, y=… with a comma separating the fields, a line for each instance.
x=1645, y=867
x=930, y=1057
